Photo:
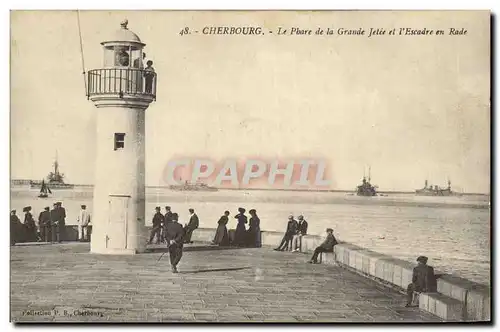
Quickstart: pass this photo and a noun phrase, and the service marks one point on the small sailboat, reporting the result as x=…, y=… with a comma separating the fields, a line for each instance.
x=44, y=190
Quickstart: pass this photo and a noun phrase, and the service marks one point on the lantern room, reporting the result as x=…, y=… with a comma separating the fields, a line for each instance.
x=124, y=50
x=124, y=71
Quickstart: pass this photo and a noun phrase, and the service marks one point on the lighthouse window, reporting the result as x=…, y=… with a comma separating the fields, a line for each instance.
x=119, y=141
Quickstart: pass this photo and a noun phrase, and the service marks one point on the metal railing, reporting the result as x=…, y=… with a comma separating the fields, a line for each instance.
x=121, y=81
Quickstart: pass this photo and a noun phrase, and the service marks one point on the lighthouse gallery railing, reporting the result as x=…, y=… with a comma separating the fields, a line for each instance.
x=128, y=81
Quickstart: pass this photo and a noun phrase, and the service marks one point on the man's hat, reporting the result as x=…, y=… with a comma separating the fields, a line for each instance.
x=175, y=217
x=242, y=210
x=12, y=211
x=191, y=210
x=422, y=259
x=290, y=216
x=58, y=203
x=252, y=211
x=27, y=209
x=301, y=217
x=55, y=204
x=158, y=208
x=83, y=206
x=47, y=208
x=167, y=207
x=329, y=230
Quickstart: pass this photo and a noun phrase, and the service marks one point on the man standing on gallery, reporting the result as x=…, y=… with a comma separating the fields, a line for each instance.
x=83, y=221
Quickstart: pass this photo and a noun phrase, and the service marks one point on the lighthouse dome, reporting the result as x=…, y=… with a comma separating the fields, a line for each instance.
x=124, y=35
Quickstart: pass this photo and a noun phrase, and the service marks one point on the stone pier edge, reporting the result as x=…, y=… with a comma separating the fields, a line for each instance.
x=457, y=299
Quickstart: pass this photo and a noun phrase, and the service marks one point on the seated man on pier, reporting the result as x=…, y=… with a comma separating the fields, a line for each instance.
x=423, y=279
x=326, y=246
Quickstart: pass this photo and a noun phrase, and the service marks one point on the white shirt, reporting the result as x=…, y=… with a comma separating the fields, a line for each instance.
x=83, y=218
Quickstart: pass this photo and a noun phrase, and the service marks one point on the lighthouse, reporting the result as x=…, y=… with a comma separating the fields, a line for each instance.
x=121, y=90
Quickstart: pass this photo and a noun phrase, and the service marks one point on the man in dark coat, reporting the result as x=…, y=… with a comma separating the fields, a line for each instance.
x=193, y=224
x=16, y=228
x=175, y=234
x=326, y=246
x=44, y=224
x=167, y=219
x=158, y=219
x=301, y=231
x=61, y=224
x=54, y=220
x=423, y=279
x=291, y=230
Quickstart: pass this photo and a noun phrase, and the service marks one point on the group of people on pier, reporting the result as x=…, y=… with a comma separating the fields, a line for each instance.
x=162, y=221
x=243, y=237
x=50, y=227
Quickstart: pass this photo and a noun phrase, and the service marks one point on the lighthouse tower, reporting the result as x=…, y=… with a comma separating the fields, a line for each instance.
x=121, y=91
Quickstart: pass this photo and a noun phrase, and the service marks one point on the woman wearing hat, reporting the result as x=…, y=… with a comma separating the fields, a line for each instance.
x=254, y=230
x=16, y=228
x=221, y=237
x=241, y=231
x=30, y=225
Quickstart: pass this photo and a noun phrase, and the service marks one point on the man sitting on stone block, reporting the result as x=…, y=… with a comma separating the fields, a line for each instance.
x=326, y=246
x=423, y=280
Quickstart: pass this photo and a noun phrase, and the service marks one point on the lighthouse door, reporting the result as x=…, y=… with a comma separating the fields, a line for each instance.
x=117, y=229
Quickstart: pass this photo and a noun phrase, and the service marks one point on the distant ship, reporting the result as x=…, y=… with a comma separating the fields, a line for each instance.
x=55, y=180
x=366, y=188
x=435, y=190
x=192, y=187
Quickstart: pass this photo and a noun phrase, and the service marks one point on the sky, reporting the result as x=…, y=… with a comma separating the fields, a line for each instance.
x=411, y=107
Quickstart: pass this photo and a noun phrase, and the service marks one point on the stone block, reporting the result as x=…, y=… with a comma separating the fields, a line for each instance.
x=359, y=261
x=339, y=253
x=379, y=269
x=475, y=296
x=479, y=304
x=406, y=277
x=352, y=258
x=397, y=277
x=388, y=271
x=328, y=258
x=272, y=239
x=365, y=264
x=442, y=306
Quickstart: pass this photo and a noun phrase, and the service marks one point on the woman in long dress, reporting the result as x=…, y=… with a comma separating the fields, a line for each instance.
x=30, y=225
x=221, y=237
x=254, y=230
x=241, y=231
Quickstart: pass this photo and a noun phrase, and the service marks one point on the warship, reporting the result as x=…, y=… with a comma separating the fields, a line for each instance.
x=366, y=188
x=192, y=187
x=434, y=190
x=55, y=180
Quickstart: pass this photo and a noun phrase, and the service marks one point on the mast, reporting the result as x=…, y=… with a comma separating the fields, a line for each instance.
x=369, y=173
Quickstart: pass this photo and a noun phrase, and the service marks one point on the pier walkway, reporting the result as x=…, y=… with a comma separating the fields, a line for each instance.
x=65, y=283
